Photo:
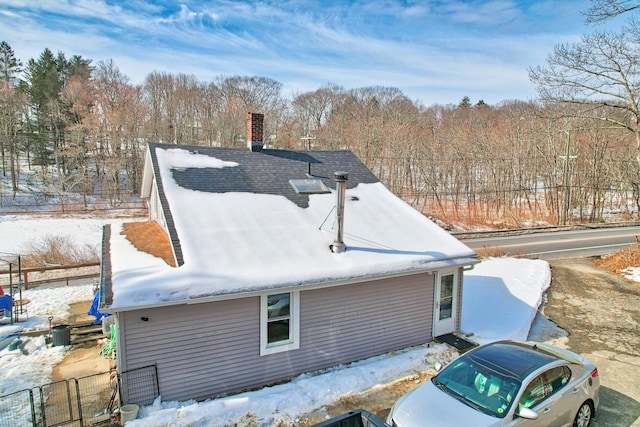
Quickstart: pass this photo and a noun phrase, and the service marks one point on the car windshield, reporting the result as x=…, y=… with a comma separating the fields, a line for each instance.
x=478, y=386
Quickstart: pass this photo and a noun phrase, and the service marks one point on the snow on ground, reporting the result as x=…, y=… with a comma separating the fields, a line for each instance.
x=18, y=231
x=632, y=273
x=32, y=363
x=501, y=298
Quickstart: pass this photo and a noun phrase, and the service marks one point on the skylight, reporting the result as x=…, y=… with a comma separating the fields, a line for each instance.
x=309, y=186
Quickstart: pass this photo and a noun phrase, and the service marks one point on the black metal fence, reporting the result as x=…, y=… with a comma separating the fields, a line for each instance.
x=87, y=401
x=139, y=386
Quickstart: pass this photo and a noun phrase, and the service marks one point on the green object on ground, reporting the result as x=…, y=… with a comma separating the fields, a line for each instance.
x=14, y=344
x=108, y=348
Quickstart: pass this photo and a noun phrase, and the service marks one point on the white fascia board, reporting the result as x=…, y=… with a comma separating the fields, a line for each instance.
x=431, y=268
x=147, y=175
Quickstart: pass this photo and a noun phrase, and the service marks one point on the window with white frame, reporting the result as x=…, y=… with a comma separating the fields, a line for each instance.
x=279, y=322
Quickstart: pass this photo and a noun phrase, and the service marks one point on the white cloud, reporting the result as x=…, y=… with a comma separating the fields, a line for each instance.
x=422, y=48
x=485, y=13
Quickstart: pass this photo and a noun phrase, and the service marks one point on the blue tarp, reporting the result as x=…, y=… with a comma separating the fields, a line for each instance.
x=6, y=302
x=93, y=311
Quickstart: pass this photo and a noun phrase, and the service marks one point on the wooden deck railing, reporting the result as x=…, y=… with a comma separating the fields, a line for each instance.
x=81, y=271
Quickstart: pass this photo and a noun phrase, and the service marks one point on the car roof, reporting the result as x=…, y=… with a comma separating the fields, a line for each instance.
x=511, y=358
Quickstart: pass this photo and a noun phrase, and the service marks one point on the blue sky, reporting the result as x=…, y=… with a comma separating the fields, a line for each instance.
x=435, y=51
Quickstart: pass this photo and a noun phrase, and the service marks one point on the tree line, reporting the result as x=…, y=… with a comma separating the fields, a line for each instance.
x=571, y=155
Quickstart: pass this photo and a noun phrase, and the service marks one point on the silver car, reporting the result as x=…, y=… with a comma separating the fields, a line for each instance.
x=505, y=383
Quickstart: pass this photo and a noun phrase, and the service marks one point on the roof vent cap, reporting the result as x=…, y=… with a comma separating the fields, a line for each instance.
x=338, y=245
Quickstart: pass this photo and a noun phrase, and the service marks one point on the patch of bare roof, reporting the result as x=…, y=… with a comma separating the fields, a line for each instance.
x=149, y=237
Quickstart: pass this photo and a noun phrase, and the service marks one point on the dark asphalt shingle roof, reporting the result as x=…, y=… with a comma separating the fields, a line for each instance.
x=269, y=171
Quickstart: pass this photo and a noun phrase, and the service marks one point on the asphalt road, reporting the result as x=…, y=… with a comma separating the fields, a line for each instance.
x=581, y=242
x=601, y=313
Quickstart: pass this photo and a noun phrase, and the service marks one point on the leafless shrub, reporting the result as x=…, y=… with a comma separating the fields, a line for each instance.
x=491, y=252
x=624, y=258
x=58, y=250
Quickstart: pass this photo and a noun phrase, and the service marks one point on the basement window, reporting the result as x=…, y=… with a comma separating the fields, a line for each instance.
x=309, y=186
x=279, y=322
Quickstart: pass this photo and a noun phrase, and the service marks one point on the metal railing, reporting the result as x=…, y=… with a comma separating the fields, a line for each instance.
x=86, y=401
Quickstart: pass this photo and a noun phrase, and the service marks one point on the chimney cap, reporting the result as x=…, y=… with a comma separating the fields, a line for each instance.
x=341, y=176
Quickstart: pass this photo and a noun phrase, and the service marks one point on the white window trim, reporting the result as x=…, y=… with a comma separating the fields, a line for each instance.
x=294, y=325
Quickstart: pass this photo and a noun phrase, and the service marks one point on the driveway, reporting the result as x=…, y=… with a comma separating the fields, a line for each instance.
x=601, y=312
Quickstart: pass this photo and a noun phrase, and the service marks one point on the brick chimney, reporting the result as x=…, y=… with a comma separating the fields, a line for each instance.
x=254, y=131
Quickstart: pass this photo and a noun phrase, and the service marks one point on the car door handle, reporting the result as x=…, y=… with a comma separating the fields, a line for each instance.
x=546, y=410
x=575, y=390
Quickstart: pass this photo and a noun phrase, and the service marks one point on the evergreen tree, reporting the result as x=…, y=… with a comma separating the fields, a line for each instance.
x=465, y=102
x=11, y=104
x=42, y=87
x=10, y=67
x=79, y=67
x=46, y=77
x=44, y=82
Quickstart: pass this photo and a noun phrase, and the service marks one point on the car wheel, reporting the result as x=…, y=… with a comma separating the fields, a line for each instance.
x=584, y=415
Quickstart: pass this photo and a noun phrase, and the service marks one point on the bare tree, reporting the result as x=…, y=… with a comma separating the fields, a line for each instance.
x=239, y=94
x=601, y=75
x=119, y=116
x=78, y=97
x=159, y=89
x=322, y=113
x=209, y=105
x=577, y=151
x=311, y=109
x=603, y=10
x=188, y=92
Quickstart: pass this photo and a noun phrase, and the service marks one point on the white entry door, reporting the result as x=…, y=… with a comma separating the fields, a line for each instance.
x=445, y=303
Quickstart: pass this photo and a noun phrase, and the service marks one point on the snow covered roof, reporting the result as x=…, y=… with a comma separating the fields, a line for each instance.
x=238, y=226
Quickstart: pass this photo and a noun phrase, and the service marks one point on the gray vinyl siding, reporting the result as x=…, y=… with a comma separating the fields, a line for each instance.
x=348, y=323
x=204, y=350
x=199, y=349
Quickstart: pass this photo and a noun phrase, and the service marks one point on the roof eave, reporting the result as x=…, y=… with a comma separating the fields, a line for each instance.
x=429, y=268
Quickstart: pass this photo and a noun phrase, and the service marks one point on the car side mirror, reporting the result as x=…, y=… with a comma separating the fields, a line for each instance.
x=528, y=414
x=438, y=366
